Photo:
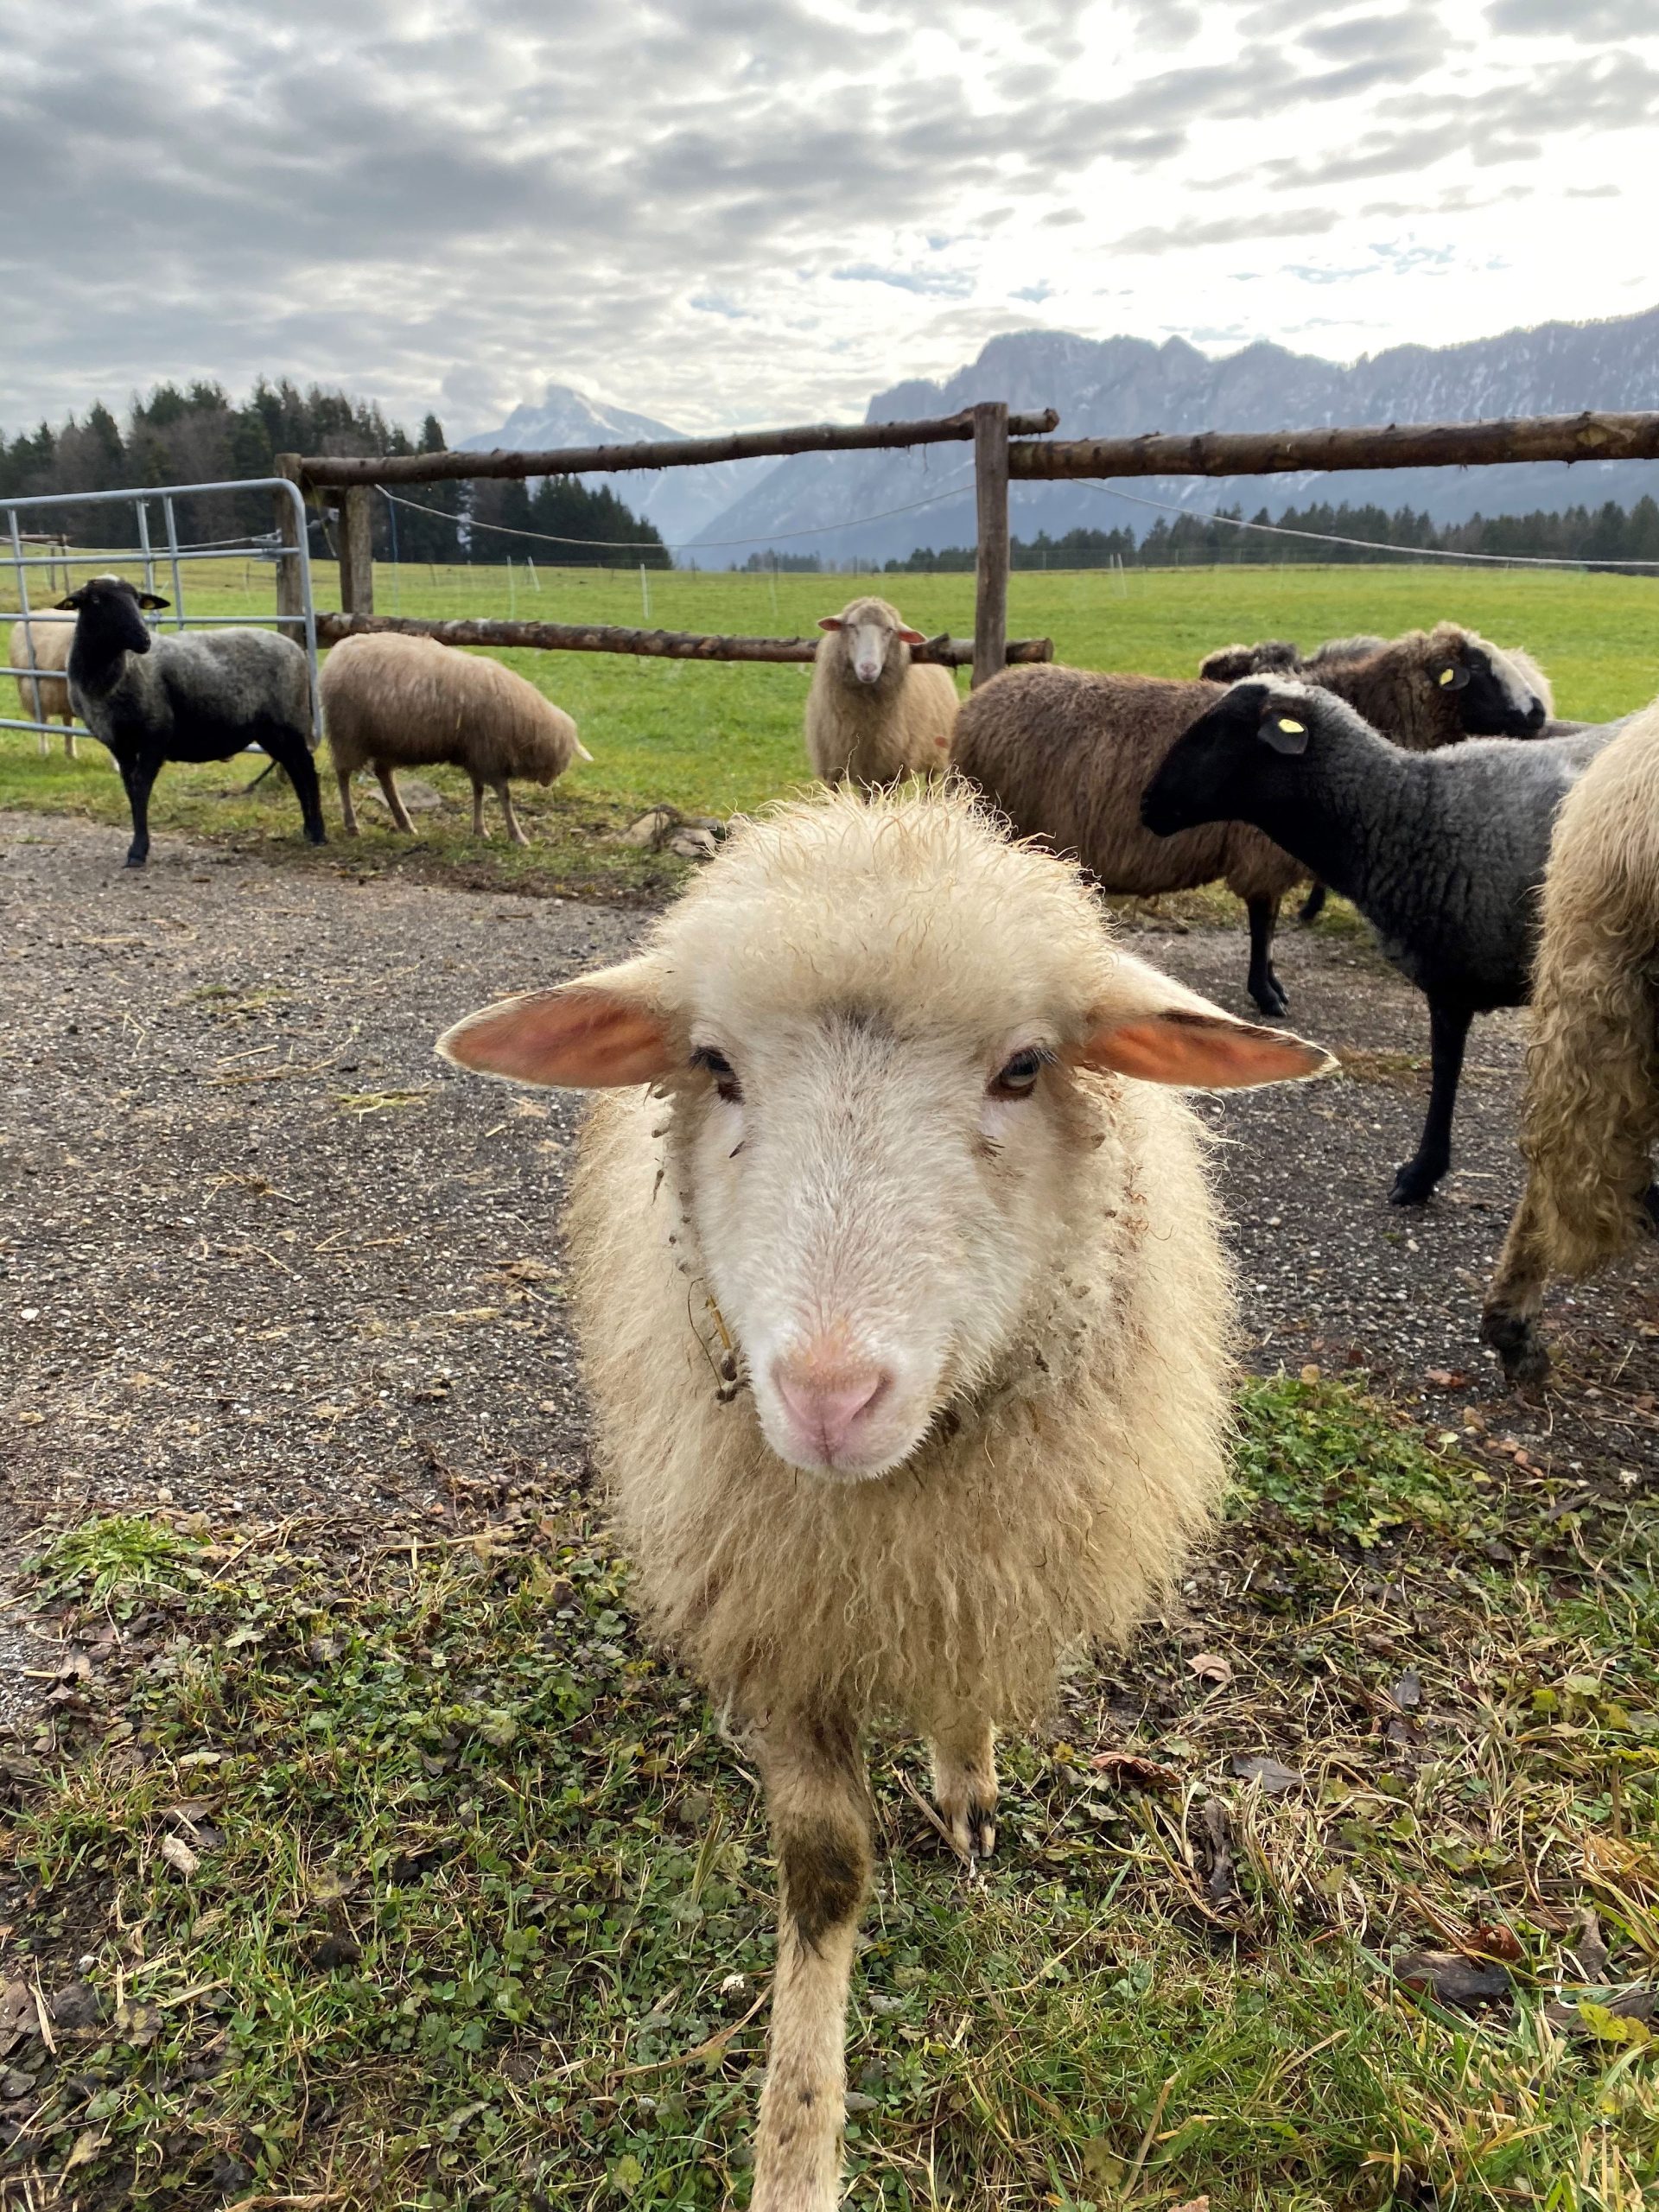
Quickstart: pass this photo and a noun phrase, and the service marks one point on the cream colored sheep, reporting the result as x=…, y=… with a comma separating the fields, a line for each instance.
x=45, y=698
x=904, y=1315
x=873, y=715
x=393, y=702
x=1590, y=1116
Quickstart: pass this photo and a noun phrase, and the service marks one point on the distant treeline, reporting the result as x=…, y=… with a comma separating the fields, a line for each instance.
x=1605, y=533
x=198, y=436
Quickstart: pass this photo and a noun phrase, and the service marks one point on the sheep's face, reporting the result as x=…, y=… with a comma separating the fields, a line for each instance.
x=876, y=1027
x=1494, y=697
x=1218, y=766
x=872, y=641
x=108, y=611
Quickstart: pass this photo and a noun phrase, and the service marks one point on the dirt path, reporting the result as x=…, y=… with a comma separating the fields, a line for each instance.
x=260, y=1255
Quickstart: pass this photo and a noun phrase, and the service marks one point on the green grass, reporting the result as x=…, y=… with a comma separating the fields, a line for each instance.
x=476, y=1911
x=715, y=737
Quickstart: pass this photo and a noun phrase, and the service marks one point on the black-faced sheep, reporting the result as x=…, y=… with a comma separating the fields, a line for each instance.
x=1067, y=755
x=874, y=716
x=1442, y=852
x=392, y=701
x=1590, y=1116
x=904, y=1315
x=197, y=696
x=43, y=642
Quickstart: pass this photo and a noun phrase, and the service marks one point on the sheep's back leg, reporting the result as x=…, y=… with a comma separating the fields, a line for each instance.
x=388, y=782
x=817, y=1797
x=515, y=830
x=292, y=754
x=964, y=1787
x=478, y=830
x=1262, y=983
x=1448, y=1032
x=1314, y=905
x=1509, y=1318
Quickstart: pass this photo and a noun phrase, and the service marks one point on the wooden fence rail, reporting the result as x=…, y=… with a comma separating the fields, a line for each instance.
x=943, y=651
x=1588, y=436
x=318, y=472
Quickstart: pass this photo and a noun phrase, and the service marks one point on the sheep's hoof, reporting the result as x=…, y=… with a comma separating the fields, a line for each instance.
x=1272, y=1000
x=1414, y=1185
x=1516, y=1340
x=137, y=859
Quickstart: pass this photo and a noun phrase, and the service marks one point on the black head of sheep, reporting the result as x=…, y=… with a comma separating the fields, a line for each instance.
x=110, y=616
x=1495, y=700
x=1212, y=770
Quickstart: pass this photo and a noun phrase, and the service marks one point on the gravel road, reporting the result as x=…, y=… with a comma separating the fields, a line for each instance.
x=260, y=1255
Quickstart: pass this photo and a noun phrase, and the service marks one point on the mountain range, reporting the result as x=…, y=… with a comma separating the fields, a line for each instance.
x=875, y=504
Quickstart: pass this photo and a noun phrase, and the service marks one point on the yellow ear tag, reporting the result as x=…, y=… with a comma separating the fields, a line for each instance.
x=1447, y=675
x=1286, y=723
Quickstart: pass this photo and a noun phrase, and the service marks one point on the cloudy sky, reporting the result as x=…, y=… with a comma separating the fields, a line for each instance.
x=737, y=211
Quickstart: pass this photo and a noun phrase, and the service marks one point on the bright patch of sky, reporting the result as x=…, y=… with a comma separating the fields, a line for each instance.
x=718, y=212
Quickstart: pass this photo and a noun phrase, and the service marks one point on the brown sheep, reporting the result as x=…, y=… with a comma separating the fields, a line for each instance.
x=394, y=701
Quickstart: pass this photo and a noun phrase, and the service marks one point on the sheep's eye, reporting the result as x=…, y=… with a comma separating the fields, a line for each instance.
x=720, y=1067
x=1017, y=1078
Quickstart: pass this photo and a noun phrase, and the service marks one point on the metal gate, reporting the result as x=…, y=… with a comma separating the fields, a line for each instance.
x=170, y=554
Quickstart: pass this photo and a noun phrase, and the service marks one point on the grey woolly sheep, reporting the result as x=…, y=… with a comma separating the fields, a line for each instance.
x=45, y=697
x=1590, y=1119
x=393, y=702
x=1067, y=756
x=1271, y=656
x=903, y=1316
x=873, y=715
x=1442, y=852
x=198, y=696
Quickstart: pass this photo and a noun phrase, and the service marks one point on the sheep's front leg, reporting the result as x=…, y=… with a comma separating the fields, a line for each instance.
x=1262, y=982
x=1448, y=1032
x=817, y=1797
x=139, y=776
x=478, y=830
x=964, y=1787
x=504, y=792
x=71, y=750
x=347, y=811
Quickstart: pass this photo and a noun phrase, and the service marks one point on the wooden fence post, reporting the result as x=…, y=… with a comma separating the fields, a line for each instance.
x=991, y=563
x=290, y=597
x=357, y=550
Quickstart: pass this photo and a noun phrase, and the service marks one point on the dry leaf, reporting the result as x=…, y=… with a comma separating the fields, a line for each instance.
x=179, y=1855
x=1451, y=1979
x=1408, y=1692
x=1492, y=1940
x=1210, y=1668
x=1136, y=1772
x=1274, y=1777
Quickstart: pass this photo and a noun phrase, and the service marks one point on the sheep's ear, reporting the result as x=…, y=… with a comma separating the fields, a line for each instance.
x=911, y=636
x=1454, y=676
x=73, y=603
x=1159, y=1031
x=148, y=600
x=598, y=1033
x=829, y=621
x=1284, y=728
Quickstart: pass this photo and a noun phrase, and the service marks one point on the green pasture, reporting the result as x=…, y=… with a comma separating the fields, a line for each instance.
x=716, y=737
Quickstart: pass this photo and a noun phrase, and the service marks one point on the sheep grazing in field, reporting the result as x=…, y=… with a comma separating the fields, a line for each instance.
x=391, y=702
x=1442, y=852
x=1591, y=1114
x=193, y=696
x=42, y=642
x=903, y=1316
x=873, y=715
x=1067, y=755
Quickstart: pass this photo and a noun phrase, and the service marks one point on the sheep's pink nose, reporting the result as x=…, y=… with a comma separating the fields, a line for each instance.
x=826, y=1398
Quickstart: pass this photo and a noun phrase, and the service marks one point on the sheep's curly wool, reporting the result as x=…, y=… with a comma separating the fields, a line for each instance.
x=1589, y=1117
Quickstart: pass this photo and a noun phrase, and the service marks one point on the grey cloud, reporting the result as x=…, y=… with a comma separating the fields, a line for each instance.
x=1310, y=224
x=1591, y=22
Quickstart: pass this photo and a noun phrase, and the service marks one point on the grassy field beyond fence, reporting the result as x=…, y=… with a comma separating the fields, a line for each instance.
x=717, y=737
